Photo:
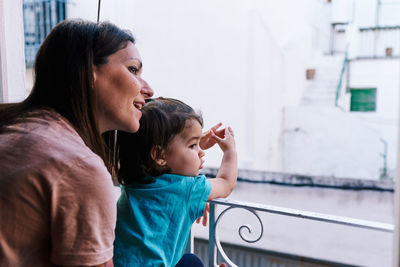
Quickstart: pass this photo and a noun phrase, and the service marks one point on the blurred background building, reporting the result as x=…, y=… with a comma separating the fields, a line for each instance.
x=311, y=89
x=309, y=86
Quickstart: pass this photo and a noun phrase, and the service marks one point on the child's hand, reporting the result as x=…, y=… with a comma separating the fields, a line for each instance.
x=205, y=215
x=225, y=180
x=227, y=142
x=207, y=141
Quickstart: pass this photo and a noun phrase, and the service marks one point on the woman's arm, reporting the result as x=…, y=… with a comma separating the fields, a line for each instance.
x=106, y=264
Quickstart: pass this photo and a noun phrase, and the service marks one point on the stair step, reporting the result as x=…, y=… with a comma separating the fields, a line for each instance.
x=321, y=91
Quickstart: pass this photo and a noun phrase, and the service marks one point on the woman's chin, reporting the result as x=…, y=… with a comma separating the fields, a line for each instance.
x=134, y=128
x=130, y=128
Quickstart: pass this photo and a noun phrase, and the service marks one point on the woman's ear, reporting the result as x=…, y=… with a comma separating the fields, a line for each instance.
x=158, y=155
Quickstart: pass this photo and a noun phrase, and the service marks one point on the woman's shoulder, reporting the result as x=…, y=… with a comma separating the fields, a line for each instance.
x=47, y=119
x=45, y=128
x=44, y=139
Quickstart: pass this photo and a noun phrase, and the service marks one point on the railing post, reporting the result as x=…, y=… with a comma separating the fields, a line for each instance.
x=339, y=86
x=211, y=236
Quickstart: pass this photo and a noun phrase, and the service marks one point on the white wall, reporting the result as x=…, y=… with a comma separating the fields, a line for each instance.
x=337, y=142
x=366, y=13
x=342, y=11
x=243, y=63
x=383, y=75
x=348, y=144
x=389, y=12
x=238, y=62
x=328, y=141
x=12, y=67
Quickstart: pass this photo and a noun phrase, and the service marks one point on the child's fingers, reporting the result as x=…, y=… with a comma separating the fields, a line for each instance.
x=215, y=127
x=205, y=140
x=205, y=217
x=207, y=134
x=230, y=131
x=216, y=138
x=220, y=132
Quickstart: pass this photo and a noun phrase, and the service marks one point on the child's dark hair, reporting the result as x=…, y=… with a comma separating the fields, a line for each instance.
x=162, y=119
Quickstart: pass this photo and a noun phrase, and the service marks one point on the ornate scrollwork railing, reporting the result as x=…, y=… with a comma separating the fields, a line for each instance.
x=241, y=230
x=215, y=246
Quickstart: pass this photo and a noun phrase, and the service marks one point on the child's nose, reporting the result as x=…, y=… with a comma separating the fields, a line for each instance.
x=201, y=153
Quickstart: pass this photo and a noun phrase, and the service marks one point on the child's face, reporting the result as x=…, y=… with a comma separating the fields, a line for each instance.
x=183, y=155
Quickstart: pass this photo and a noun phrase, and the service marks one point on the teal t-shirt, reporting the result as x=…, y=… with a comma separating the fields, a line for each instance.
x=154, y=220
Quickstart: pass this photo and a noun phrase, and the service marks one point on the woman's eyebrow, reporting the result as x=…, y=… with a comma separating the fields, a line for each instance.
x=138, y=60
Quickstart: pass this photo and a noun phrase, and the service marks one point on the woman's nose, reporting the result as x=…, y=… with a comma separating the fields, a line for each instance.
x=146, y=90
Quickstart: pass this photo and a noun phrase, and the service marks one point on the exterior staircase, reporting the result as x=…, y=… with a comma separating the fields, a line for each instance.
x=322, y=139
x=321, y=91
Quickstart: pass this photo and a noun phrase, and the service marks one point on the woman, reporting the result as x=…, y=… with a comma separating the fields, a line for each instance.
x=57, y=202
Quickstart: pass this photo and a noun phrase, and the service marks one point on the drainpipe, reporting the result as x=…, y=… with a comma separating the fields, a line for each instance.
x=376, y=32
x=378, y=10
x=384, y=157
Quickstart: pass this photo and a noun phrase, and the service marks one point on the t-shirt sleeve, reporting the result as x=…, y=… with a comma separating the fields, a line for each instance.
x=198, y=196
x=83, y=214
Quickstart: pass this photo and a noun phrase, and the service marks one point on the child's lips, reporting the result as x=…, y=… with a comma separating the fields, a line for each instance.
x=201, y=165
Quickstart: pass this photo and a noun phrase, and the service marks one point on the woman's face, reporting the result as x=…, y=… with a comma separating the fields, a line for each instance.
x=120, y=90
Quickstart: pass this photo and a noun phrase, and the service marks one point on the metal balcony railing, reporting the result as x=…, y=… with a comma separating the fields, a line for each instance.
x=216, y=248
x=379, y=42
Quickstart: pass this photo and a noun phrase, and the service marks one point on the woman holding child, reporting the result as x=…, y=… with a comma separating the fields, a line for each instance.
x=56, y=192
x=57, y=200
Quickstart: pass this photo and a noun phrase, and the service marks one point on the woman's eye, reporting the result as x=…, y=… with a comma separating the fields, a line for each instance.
x=192, y=146
x=133, y=69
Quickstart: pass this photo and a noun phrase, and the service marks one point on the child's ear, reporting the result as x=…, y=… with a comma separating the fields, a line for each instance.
x=158, y=155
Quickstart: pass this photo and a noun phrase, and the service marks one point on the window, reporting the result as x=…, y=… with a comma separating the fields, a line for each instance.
x=363, y=99
x=40, y=16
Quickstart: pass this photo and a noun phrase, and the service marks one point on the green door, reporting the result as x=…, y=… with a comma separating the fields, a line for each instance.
x=363, y=99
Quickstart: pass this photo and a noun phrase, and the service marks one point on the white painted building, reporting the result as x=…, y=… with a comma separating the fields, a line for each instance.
x=244, y=63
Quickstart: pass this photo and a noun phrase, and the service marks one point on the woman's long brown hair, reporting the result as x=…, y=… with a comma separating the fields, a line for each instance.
x=64, y=80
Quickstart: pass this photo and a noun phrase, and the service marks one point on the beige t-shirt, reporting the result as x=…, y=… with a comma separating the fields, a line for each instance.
x=57, y=203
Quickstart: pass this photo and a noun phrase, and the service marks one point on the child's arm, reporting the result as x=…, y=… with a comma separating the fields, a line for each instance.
x=223, y=184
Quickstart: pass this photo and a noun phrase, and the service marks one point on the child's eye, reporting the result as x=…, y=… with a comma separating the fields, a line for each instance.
x=192, y=146
x=133, y=69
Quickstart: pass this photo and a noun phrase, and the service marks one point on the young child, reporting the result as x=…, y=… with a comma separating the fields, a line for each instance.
x=162, y=191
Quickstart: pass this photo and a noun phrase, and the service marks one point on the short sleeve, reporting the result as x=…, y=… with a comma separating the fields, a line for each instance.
x=83, y=214
x=200, y=189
